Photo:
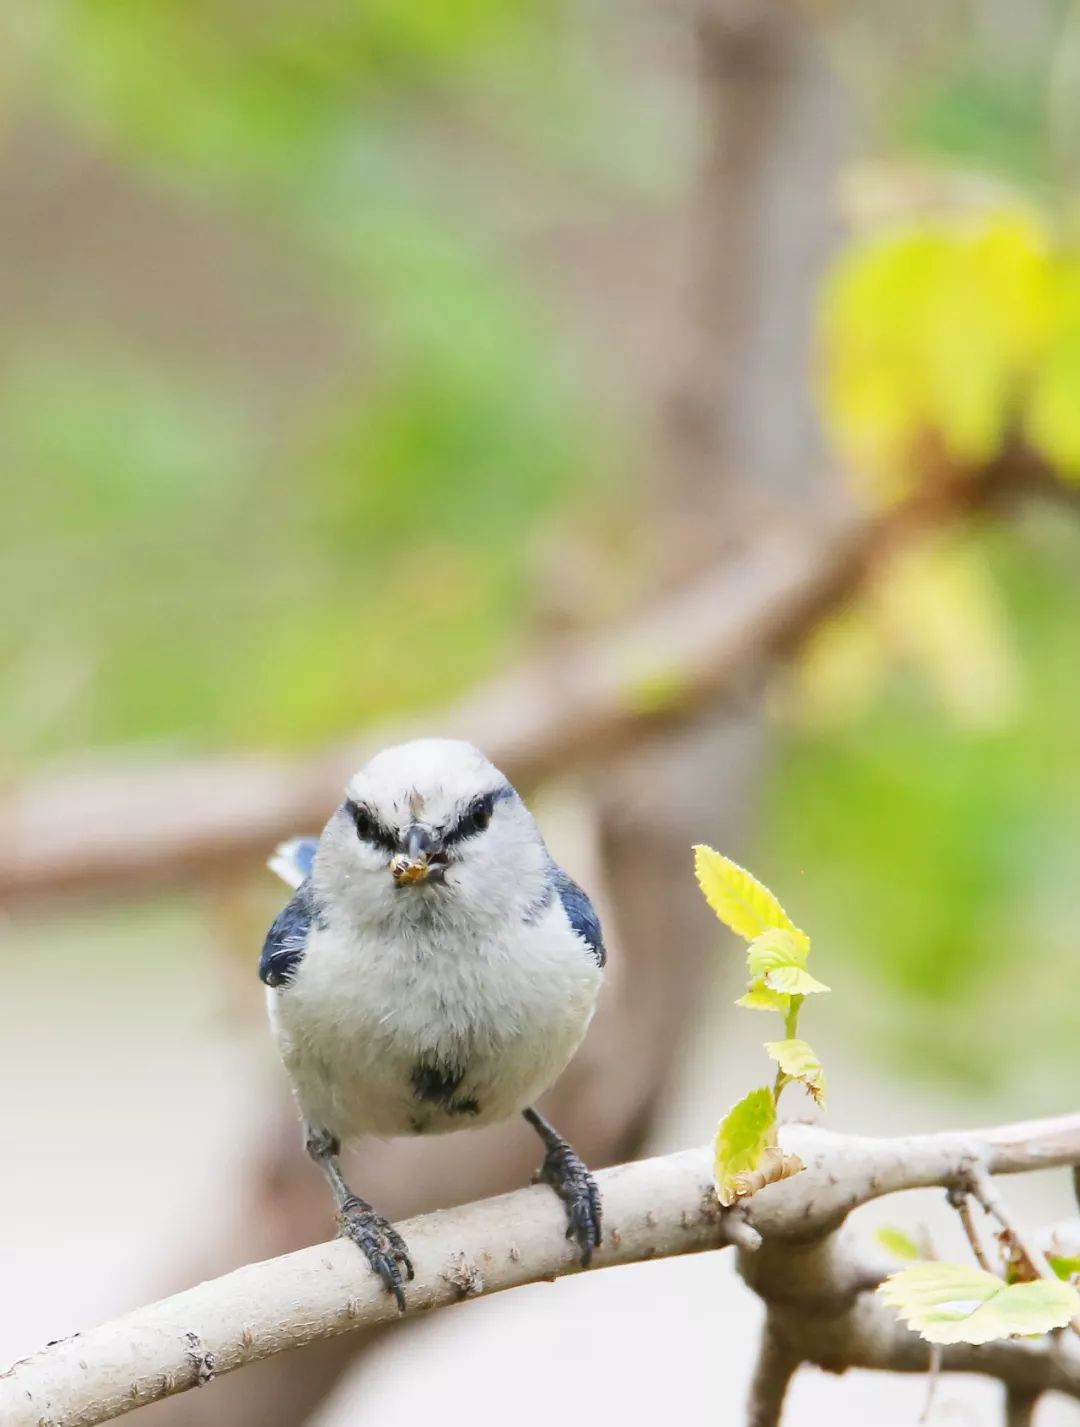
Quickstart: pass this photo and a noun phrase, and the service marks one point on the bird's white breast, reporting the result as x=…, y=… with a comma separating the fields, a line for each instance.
x=365, y=1014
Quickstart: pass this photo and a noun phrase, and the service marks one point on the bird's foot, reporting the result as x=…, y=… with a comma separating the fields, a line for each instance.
x=568, y=1175
x=380, y=1243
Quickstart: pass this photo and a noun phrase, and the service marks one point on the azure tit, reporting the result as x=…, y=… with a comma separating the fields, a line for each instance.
x=434, y=970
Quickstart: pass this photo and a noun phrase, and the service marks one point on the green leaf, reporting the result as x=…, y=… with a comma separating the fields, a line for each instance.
x=797, y=1060
x=1064, y=1265
x=898, y=1243
x=778, y=958
x=759, y=997
x=740, y=900
x=953, y=1303
x=742, y=1137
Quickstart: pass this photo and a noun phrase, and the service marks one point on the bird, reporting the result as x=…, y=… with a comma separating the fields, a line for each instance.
x=434, y=970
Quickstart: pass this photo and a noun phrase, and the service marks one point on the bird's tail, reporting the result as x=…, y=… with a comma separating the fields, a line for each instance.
x=293, y=860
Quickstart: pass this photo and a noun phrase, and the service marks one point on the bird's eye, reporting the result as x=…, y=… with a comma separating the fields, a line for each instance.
x=368, y=828
x=477, y=818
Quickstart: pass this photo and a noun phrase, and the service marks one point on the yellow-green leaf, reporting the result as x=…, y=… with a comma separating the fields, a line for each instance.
x=797, y=1060
x=742, y=1137
x=740, y=900
x=899, y=1244
x=778, y=958
x=791, y=981
x=760, y=997
x=953, y=1303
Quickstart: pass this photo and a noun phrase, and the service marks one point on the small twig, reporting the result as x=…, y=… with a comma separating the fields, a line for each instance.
x=932, y=1376
x=1020, y=1404
x=776, y=1366
x=791, y=1031
x=986, y=1195
x=961, y=1202
x=740, y=1231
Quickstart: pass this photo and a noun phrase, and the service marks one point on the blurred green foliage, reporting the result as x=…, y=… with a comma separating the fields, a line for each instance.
x=970, y=86
x=987, y=111
x=206, y=570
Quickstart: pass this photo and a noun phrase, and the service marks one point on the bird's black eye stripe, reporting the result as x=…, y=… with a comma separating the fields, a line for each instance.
x=474, y=820
x=369, y=828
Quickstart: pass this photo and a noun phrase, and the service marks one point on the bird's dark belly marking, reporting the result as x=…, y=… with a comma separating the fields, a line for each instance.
x=436, y=1084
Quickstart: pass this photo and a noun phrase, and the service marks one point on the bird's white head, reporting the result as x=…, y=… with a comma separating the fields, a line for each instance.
x=431, y=830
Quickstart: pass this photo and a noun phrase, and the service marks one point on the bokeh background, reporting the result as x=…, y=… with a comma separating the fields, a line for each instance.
x=356, y=356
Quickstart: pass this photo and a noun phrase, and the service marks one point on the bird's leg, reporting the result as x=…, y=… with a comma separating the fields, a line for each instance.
x=565, y=1171
x=374, y=1236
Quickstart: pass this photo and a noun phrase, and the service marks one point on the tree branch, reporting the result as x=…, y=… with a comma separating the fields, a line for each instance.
x=775, y=1367
x=870, y=1335
x=192, y=819
x=1020, y=1405
x=653, y=1208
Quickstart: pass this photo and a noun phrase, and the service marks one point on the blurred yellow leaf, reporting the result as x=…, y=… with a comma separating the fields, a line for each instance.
x=875, y=309
x=839, y=670
x=1052, y=416
x=938, y=608
x=988, y=321
x=932, y=330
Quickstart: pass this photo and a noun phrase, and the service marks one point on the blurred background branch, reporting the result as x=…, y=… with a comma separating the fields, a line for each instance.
x=578, y=703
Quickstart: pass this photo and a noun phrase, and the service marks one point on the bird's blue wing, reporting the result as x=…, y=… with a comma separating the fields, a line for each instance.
x=286, y=941
x=580, y=913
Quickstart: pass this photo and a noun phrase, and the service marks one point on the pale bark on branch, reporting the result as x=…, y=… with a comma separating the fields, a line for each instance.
x=775, y=1367
x=812, y=1280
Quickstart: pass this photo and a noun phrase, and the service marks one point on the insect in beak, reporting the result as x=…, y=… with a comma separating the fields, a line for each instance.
x=406, y=871
x=421, y=859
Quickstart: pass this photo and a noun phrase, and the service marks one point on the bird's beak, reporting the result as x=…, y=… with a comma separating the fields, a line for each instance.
x=419, y=860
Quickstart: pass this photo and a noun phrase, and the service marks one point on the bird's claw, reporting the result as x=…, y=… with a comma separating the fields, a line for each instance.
x=381, y=1245
x=566, y=1172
